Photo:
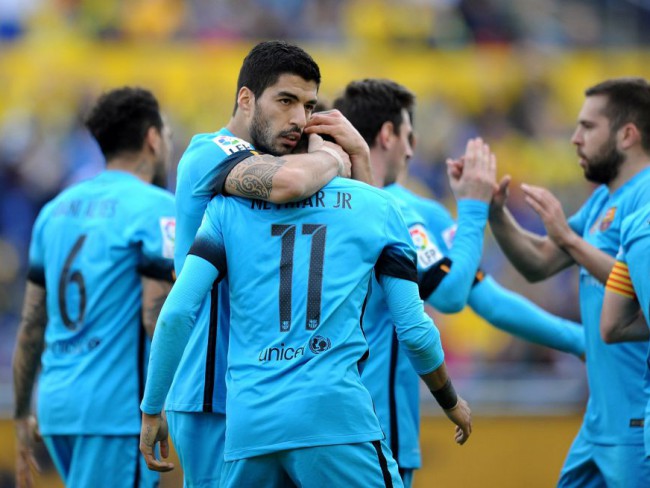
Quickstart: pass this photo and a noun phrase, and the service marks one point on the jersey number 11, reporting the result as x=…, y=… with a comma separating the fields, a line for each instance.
x=315, y=284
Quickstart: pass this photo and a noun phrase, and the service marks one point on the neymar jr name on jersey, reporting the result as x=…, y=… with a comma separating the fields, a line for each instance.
x=325, y=199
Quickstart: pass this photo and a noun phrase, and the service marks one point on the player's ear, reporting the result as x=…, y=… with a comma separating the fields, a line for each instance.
x=153, y=140
x=629, y=135
x=245, y=100
x=385, y=135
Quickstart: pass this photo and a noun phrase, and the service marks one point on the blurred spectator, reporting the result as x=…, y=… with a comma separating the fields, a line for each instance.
x=13, y=17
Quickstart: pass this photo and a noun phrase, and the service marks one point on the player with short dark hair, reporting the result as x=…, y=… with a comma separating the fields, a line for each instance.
x=449, y=254
x=252, y=156
x=100, y=267
x=612, y=141
x=298, y=413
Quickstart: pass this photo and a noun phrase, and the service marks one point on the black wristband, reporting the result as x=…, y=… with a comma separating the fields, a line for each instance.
x=446, y=396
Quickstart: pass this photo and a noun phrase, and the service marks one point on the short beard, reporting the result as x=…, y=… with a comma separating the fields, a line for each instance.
x=260, y=132
x=263, y=139
x=604, y=167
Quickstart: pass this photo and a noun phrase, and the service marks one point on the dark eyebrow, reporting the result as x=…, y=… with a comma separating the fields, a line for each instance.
x=286, y=94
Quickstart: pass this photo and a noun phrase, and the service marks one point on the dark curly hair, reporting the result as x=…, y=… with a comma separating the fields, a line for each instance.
x=120, y=119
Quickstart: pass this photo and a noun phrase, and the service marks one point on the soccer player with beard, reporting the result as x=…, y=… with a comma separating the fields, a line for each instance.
x=613, y=144
x=277, y=90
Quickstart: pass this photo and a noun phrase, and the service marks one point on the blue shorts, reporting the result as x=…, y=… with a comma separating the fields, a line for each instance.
x=590, y=465
x=100, y=461
x=362, y=465
x=198, y=438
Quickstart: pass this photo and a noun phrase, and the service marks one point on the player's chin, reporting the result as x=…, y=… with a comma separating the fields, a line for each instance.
x=282, y=149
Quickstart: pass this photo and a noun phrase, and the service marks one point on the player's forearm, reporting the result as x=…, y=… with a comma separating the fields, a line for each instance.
x=598, y=263
x=29, y=347
x=436, y=379
x=621, y=319
x=635, y=331
x=415, y=330
x=452, y=292
x=172, y=334
x=520, y=317
x=154, y=294
x=303, y=175
x=281, y=179
x=175, y=324
x=534, y=256
x=361, y=169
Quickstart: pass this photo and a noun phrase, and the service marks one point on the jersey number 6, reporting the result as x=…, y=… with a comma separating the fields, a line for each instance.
x=74, y=277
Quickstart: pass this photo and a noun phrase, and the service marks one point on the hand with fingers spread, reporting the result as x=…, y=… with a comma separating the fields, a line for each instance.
x=549, y=208
x=316, y=143
x=26, y=437
x=154, y=429
x=334, y=124
x=474, y=175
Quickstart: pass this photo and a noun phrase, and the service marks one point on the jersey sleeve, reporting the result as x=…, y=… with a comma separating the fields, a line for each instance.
x=213, y=181
x=446, y=284
x=415, y=330
x=179, y=313
x=619, y=280
x=36, y=265
x=398, y=257
x=155, y=233
x=208, y=243
x=516, y=315
x=217, y=187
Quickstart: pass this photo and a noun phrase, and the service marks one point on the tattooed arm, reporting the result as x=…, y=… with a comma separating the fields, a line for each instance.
x=288, y=178
x=154, y=293
x=29, y=347
x=27, y=359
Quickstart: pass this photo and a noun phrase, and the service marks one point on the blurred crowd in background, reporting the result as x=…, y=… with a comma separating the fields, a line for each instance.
x=512, y=72
x=431, y=23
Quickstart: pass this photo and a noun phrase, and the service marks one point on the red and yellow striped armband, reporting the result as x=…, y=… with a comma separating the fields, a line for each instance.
x=619, y=281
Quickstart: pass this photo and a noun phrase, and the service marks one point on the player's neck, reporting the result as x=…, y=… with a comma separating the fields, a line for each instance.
x=238, y=127
x=378, y=165
x=138, y=165
x=628, y=170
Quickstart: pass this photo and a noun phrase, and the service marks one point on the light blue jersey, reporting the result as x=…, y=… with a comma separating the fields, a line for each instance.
x=90, y=248
x=388, y=374
x=443, y=245
x=635, y=252
x=617, y=401
x=202, y=171
x=299, y=277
